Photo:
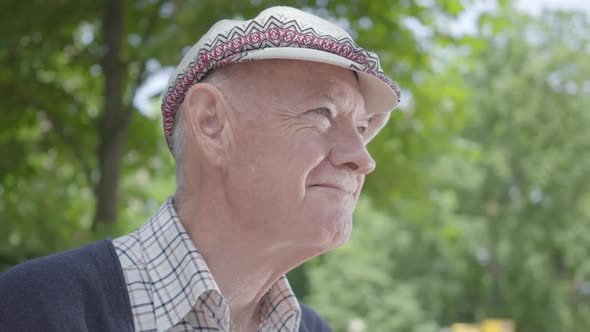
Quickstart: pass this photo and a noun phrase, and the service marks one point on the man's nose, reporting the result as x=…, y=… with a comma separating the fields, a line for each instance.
x=350, y=152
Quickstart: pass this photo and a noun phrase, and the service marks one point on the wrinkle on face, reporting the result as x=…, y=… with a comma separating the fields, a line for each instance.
x=290, y=120
x=342, y=102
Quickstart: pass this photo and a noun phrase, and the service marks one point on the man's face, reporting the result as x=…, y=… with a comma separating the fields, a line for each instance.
x=297, y=161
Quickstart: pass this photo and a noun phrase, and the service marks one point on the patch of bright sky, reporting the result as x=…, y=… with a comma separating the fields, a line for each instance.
x=465, y=24
x=153, y=86
x=535, y=7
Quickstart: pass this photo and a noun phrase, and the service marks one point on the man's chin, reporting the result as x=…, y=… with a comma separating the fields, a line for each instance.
x=332, y=233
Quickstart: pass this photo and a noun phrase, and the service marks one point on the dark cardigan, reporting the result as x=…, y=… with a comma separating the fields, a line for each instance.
x=80, y=290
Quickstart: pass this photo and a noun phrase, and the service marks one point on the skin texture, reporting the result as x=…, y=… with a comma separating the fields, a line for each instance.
x=273, y=163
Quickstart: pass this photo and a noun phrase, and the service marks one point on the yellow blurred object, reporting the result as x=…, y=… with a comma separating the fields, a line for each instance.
x=498, y=325
x=462, y=327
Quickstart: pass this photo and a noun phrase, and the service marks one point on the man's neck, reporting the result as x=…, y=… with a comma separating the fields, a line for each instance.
x=244, y=268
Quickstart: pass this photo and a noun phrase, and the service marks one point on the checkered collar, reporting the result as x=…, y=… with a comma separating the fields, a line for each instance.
x=173, y=263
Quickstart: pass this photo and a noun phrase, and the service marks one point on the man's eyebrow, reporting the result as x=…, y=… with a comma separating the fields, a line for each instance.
x=338, y=98
x=368, y=117
x=334, y=97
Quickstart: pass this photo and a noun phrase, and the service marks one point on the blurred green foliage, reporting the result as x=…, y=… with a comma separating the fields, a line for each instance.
x=479, y=206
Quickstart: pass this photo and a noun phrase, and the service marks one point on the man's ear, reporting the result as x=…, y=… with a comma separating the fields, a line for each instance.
x=205, y=115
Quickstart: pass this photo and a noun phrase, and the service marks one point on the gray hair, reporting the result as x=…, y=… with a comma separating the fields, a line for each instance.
x=178, y=129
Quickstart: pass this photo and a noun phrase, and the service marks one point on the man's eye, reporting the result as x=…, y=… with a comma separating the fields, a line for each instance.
x=324, y=112
x=362, y=128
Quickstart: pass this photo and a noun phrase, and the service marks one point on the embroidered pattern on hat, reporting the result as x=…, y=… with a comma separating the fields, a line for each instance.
x=231, y=47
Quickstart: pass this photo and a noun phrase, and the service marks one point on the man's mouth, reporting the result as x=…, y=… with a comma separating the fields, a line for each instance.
x=334, y=186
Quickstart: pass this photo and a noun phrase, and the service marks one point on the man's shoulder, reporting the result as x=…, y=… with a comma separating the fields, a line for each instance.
x=311, y=321
x=63, y=287
x=60, y=271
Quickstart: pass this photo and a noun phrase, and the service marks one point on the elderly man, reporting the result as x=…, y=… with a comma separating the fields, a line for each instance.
x=268, y=122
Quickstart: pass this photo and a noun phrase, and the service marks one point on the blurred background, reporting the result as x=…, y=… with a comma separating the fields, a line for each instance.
x=480, y=205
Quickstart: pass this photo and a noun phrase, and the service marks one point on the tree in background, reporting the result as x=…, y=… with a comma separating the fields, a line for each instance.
x=534, y=187
x=504, y=231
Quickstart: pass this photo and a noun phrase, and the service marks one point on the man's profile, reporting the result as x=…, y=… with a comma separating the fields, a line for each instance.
x=268, y=121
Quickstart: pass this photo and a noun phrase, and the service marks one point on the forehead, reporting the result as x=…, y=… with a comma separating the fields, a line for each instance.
x=294, y=79
x=308, y=73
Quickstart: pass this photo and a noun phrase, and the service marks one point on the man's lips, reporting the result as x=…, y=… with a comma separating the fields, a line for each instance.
x=334, y=187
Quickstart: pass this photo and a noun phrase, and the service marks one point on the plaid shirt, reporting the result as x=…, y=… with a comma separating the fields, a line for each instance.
x=171, y=288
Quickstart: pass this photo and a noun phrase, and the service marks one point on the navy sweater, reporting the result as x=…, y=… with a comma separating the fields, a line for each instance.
x=80, y=290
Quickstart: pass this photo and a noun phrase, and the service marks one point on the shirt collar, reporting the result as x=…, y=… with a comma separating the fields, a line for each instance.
x=280, y=308
x=181, y=280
